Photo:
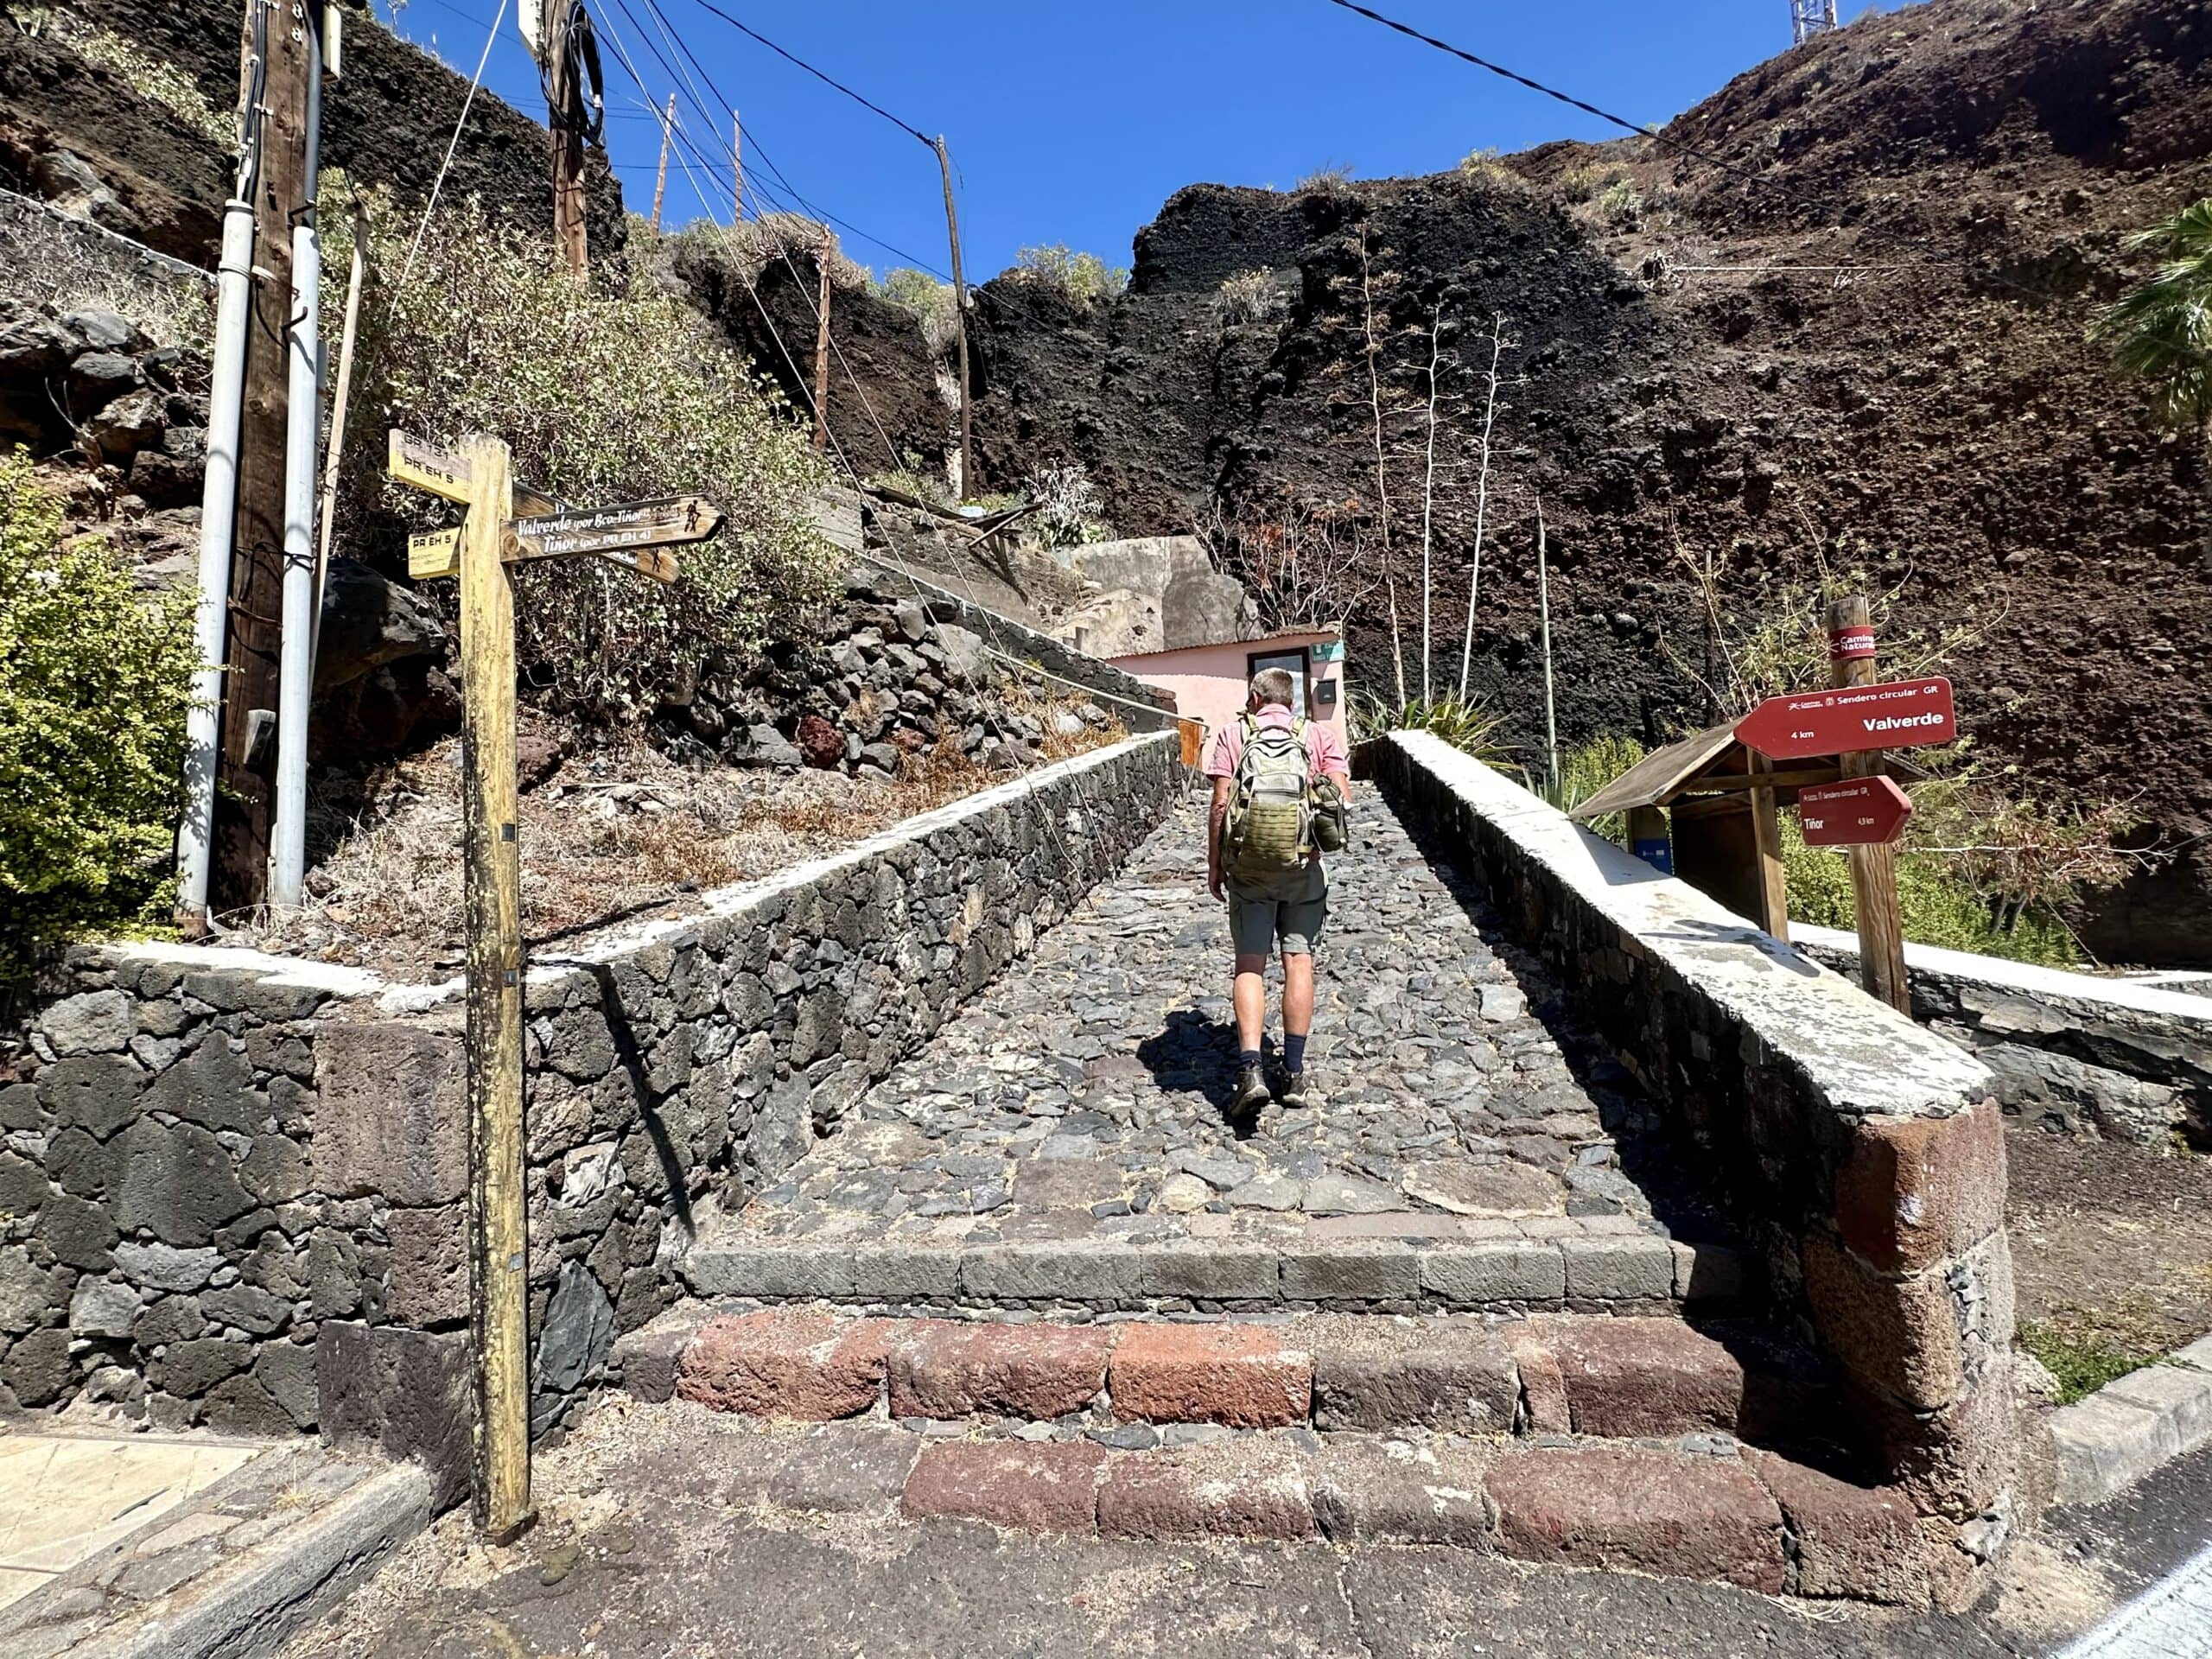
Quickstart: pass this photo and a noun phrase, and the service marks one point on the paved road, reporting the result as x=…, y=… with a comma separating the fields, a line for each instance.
x=1084, y=1092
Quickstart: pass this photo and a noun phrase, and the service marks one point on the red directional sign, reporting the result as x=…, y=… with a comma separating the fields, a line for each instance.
x=1900, y=714
x=1859, y=812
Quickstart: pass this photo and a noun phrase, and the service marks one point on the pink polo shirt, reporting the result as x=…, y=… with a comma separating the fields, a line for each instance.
x=1324, y=750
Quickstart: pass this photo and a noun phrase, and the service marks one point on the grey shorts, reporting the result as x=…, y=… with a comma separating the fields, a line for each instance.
x=1290, y=908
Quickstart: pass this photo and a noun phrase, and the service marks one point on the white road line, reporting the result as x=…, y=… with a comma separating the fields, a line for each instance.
x=2171, y=1620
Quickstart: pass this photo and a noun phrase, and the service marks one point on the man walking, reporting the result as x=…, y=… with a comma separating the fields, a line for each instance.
x=1260, y=848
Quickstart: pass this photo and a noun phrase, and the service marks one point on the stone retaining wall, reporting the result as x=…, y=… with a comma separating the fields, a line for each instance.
x=233, y=1182
x=2080, y=1053
x=1863, y=1155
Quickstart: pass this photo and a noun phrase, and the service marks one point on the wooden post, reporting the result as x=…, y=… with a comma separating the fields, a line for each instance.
x=566, y=122
x=340, y=405
x=822, y=348
x=1766, y=839
x=1874, y=869
x=968, y=481
x=246, y=774
x=660, y=179
x=498, y=1237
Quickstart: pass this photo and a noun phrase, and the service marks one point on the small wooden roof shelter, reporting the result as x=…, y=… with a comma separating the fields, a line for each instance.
x=1723, y=798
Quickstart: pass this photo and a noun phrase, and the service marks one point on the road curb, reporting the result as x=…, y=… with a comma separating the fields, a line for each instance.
x=2134, y=1425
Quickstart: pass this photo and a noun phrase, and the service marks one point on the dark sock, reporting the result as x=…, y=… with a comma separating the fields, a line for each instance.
x=1294, y=1052
x=1247, y=1057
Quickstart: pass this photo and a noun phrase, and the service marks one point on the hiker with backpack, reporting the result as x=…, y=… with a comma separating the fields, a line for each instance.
x=1280, y=785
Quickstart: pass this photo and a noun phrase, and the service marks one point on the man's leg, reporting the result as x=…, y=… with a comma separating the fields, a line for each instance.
x=1250, y=996
x=1302, y=922
x=1297, y=996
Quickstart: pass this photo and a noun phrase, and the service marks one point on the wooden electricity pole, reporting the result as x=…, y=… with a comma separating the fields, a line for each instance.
x=969, y=482
x=245, y=797
x=1873, y=868
x=822, y=349
x=660, y=179
x=567, y=121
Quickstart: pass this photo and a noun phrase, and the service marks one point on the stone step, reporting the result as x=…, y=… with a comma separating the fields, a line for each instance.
x=1592, y=1375
x=1395, y=1263
x=1702, y=1506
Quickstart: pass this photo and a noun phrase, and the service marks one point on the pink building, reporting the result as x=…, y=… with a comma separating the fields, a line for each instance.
x=1210, y=681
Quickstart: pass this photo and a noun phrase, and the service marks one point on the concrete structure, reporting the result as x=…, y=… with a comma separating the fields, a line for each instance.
x=1209, y=682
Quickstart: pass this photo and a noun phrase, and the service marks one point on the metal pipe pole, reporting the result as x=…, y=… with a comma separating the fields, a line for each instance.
x=303, y=416
x=968, y=481
x=1544, y=614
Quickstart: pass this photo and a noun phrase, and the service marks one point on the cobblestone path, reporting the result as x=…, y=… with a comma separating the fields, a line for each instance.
x=1085, y=1092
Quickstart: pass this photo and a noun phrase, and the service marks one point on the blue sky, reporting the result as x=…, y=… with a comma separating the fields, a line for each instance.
x=1073, y=122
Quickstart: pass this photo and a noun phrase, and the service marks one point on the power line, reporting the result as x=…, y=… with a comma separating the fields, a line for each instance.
x=1568, y=99
x=830, y=80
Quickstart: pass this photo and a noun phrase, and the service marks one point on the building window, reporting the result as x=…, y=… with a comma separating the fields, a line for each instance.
x=1296, y=661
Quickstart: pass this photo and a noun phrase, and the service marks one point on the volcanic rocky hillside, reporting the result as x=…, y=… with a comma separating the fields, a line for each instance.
x=85, y=134
x=1933, y=414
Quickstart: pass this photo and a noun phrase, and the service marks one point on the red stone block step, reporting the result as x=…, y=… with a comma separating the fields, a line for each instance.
x=1591, y=1375
x=1702, y=1508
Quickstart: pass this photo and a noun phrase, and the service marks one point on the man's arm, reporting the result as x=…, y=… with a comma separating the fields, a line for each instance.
x=1215, y=818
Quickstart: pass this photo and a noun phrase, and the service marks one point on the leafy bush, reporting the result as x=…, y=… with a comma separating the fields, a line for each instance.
x=1587, y=768
x=1247, y=297
x=603, y=398
x=748, y=247
x=1084, y=278
x=157, y=82
x=1070, y=510
x=95, y=681
x=1484, y=164
x=1620, y=204
x=931, y=301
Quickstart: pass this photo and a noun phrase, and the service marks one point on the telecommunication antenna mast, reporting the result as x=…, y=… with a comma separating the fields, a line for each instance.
x=1808, y=18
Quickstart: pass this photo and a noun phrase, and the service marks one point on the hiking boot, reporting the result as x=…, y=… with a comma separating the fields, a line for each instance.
x=1251, y=1096
x=1292, y=1091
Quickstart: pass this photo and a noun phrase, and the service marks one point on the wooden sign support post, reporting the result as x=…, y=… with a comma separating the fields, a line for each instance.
x=487, y=542
x=1873, y=868
x=499, y=1257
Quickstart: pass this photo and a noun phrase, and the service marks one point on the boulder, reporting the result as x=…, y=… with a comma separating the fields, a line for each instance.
x=368, y=622
x=130, y=423
x=103, y=331
x=762, y=745
x=2075, y=1095
x=965, y=660
x=97, y=378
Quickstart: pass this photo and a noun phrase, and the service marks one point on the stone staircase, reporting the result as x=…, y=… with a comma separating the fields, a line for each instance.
x=1600, y=1441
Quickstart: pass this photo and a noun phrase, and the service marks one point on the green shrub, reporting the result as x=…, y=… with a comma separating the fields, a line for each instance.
x=1467, y=724
x=931, y=302
x=1484, y=164
x=95, y=681
x=1070, y=510
x=604, y=398
x=748, y=247
x=1334, y=180
x=1620, y=204
x=1588, y=767
x=1941, y=906
x=1084, y=278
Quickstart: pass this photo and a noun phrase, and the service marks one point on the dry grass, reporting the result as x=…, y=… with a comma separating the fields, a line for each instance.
x=44, y=262
x=613, y=835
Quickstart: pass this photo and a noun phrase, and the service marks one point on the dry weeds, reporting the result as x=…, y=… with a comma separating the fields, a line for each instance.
x=611, y=834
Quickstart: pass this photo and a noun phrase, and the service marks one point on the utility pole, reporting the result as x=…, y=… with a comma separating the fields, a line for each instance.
x=967, y=479
x=1874, y=866
x=567, y=121
x=737, y=168
x=822, y=348
x=245, y=800
x=660, y=179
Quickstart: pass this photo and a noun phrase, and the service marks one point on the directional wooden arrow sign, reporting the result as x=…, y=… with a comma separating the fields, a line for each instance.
x=668, y=521
x=1859, y=812
x=1899, y=714
x=440, y=472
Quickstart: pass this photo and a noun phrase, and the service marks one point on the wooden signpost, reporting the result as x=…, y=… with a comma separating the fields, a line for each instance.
x=1855, y=720
x=479, y=552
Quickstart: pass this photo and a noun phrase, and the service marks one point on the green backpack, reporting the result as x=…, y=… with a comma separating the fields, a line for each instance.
x=1269, y=829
